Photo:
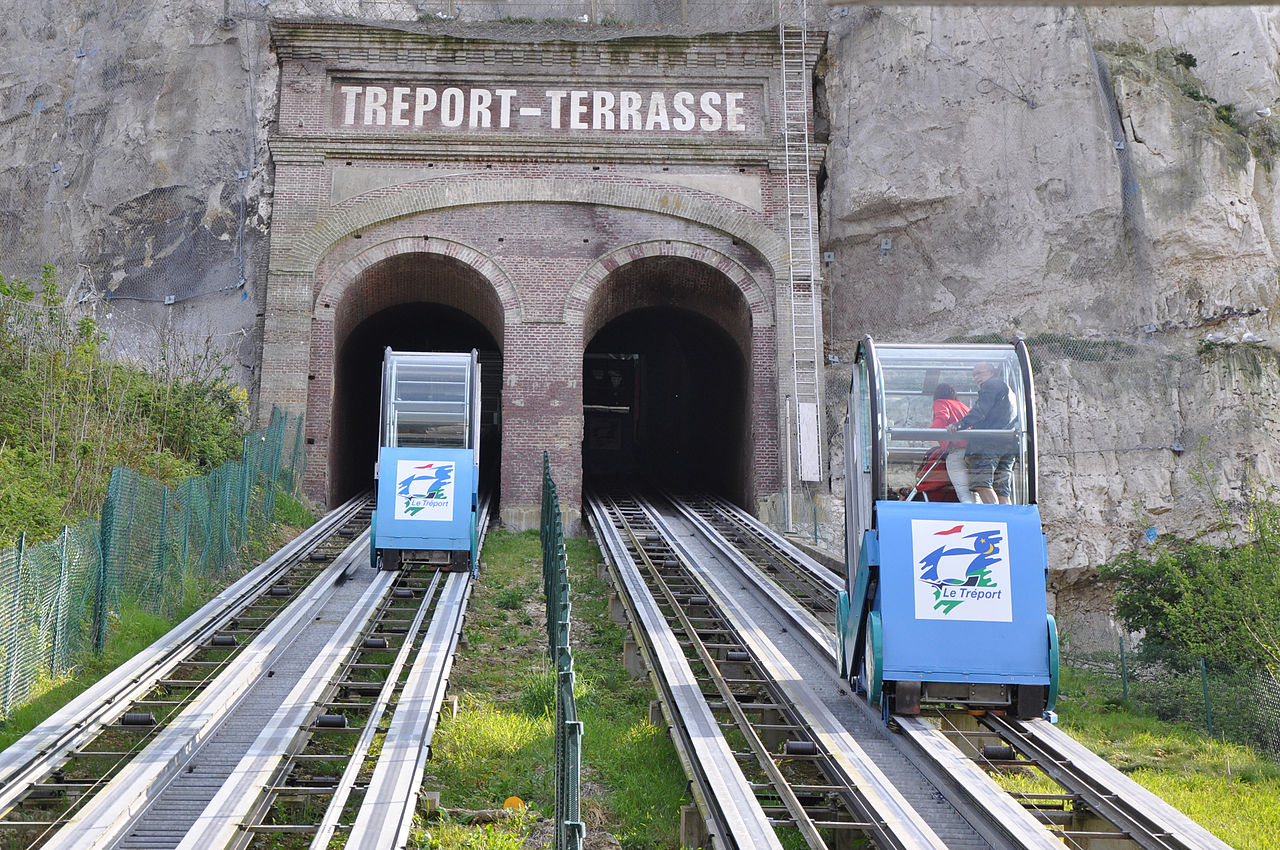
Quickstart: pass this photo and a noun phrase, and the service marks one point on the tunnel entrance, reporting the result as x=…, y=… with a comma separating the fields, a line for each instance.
x=411, y=302
x=666, y=380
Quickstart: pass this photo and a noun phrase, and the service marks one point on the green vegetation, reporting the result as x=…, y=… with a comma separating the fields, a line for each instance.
x=1194, y=774
x=1194, y=93
x=500, y=744
x=1195, y=601
x=133, y=630
x=70, y=414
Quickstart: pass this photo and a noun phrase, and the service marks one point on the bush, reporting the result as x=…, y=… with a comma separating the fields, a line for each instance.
x=1192, y=601
x=69, y=414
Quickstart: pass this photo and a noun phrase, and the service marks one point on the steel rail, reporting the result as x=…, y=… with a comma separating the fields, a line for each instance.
x=1139, y=815
x=967, y=778
x=725, y=799
x=892, y=821
x=220, y=822
x=996, y=808
x=103, y=819
x=819, y=636
x=711, y=665
x=386, y=814
x=36, y=755
x=804, y=567
x=346, y=783
x=413, y=731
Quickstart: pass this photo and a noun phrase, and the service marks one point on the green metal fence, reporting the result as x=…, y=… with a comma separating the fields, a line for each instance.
x=58, y=598
x=1237, y=705
x=569, y=828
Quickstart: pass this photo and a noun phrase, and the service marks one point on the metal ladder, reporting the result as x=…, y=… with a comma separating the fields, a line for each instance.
x=805, y=289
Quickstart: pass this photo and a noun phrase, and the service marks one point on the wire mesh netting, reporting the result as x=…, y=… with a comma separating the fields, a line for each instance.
x=58, y=599
x=45, y=622
x=1242, y=706
x=569, y=828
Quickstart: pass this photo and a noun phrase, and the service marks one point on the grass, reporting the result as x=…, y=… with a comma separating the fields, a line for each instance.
x=501, y=743
x=132, y=631
x=1230, y=790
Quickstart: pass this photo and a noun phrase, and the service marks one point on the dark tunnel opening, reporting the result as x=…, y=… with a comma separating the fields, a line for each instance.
x=358, y=380
x=664, y=403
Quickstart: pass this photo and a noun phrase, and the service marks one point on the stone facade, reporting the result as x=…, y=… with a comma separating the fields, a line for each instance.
x=539, y=234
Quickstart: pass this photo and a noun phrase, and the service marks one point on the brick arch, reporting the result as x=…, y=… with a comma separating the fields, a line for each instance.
x=334, y=288
x=310, y=247
x=580, y=293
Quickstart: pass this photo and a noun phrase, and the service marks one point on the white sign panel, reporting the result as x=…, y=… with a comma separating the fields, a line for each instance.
x=961, y=570
x=424, y=490
x=410, y=107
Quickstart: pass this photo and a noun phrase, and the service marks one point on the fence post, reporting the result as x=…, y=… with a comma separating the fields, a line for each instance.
x=59, y=609
x=163, y=546
x=247, y=465
x=186, y=536
x=106, y=552
x=11, y=655
x=128, y=526
x=297, y=454
x=1124, y=670
x=1204, y=682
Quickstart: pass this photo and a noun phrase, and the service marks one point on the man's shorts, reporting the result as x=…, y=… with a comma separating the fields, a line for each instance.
x=990, y=470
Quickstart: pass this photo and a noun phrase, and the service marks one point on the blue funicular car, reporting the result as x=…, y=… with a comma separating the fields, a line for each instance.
x=427, y=472
x=945, y=600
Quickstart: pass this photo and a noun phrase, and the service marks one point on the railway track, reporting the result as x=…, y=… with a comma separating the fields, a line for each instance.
x=258, y=717
x=750, y=616
x=343, y=662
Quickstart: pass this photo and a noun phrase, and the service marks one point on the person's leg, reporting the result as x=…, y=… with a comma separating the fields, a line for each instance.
x=1003, y=479
x=958, y=472
x=981, y=468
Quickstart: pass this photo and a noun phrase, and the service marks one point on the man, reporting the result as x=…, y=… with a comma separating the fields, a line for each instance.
x=990, y=456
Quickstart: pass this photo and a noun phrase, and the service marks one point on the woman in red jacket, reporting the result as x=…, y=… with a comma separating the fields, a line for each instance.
x=946, y=410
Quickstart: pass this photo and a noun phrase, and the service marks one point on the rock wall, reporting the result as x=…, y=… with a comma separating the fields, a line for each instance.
x=134, y=159
x=1073, y=176
x=1102, y=183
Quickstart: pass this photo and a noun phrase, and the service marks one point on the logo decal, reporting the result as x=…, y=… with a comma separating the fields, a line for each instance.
x=961, y=570
x=424, y=490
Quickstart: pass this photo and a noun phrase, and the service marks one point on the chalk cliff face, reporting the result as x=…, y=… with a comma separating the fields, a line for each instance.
x=134, y=159
x=1101, y=181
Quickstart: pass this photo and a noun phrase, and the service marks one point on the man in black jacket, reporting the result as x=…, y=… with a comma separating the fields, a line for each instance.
x=990, y=456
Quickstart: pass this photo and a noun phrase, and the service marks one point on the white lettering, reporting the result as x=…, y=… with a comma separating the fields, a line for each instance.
x=349, y=109
x=375, y=102
x=504, y=106
x=733, y=112
x=480, y=100
x=451, y=107
x=711, y=121
x=681, y=103
x=398, y=106
x=556, y=98
x=602, y=110
x=657, y=117
x=577, y=110
x=599, y=110
x=424, y=102
x=629, y=110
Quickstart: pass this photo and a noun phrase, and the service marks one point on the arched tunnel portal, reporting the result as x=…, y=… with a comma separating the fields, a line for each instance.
x=408, y=302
